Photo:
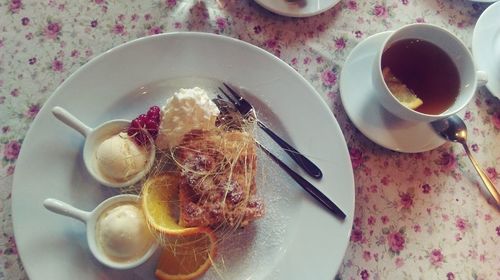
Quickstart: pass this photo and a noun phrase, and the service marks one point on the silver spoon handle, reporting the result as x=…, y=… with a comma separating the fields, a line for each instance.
x=489, y=185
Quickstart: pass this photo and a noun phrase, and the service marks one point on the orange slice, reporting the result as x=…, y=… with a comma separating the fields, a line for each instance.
x=160, y=203
x=187, y=257
x=187, y=252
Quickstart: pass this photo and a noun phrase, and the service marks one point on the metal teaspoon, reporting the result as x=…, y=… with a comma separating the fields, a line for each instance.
x=453, y=129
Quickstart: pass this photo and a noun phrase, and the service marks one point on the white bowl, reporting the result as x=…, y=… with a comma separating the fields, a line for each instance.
x=93, y=138
x=91, y=218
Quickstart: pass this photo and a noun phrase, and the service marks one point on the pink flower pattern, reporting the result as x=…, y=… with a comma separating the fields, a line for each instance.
x=15, y=6
x=57, y=65
x=396, y=242
x=52, y=30
x=11, y=150
x=436, y=257
x=406, y=200
x=380, y=11
x=329, y=77
x=416, y=214
x=155, y=30
x=356, y=157
x=495, y=119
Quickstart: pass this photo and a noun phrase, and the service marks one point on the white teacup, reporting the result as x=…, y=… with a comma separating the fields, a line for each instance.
x=470, y=79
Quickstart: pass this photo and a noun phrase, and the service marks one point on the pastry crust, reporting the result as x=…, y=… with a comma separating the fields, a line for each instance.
x=217, y=179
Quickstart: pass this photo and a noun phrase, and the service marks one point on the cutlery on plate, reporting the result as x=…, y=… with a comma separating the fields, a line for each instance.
x=308, y=187
x=246, y=109
x=453, y=129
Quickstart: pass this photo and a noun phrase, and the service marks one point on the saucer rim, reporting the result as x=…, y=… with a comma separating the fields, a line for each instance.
x=343, y=96
x=264, y=4
x=477, y=41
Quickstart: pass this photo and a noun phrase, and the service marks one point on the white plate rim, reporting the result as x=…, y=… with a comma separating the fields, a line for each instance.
x=44, y=111
x=269, y=5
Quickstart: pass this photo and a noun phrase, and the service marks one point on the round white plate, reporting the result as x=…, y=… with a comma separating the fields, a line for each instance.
x=365, y=111
x=297, y=8
x=486, y=46
x=296, y=239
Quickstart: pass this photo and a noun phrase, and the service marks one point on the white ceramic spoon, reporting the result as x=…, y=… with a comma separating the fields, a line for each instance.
x=93, y=138
x=90, y=219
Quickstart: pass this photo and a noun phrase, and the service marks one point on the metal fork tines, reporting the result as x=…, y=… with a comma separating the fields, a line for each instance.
x=246, y=109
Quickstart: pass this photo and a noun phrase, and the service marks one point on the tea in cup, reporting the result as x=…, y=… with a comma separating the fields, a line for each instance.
x=424, y=73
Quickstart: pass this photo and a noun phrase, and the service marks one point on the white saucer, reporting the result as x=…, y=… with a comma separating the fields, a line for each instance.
x=365, y=111
x=486, y=46
x=297, y=8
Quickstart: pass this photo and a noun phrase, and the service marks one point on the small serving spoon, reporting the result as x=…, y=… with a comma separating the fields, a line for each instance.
x=93, y=138
x=453, y=129
x=90, y=219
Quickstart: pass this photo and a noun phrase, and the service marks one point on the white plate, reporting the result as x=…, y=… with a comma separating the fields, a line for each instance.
x=297, y=238
x=297, y=8
x=365, y=111
x=486, y=46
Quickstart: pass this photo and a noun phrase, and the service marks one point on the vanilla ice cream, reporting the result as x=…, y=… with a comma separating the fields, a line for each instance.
x=188, y=109
x=119, y=157
x=122, y=233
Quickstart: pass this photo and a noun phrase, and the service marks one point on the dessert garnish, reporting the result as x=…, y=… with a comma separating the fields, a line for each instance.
x=187, y=252
x=203, y=184
x=186, y=110
x=145, y=126
x=187, y=257
x=217, y=179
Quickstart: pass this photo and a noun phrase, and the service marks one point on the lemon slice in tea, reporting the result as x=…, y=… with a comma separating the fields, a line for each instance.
x=404, y=95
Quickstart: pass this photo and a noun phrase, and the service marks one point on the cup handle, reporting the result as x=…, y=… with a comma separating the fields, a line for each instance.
x=482, y=78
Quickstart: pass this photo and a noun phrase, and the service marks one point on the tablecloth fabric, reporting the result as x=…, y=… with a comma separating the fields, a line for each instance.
x=418, y=216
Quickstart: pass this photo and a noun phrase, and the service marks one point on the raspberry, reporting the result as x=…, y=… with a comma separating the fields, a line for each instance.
x=144, y=124
x=154, y=114
x=134, y=127
x=142, y=118
x=152, y=128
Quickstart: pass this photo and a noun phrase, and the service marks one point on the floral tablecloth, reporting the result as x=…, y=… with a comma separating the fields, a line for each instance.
x=418, y=216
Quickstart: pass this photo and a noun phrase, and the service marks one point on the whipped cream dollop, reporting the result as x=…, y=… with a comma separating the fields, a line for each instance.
x=188, y=109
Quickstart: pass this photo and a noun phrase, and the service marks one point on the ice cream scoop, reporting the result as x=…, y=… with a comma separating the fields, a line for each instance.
x=119, y=157
x=121, y=170
x=117, y=232
x=122, y=232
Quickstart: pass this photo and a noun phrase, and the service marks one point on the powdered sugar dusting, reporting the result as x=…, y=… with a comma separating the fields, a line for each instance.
x=263, y=242
x=249, y=253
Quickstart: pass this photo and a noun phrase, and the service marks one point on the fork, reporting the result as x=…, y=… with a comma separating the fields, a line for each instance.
x=308, y=187
x=246, y=109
